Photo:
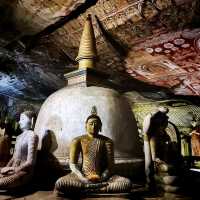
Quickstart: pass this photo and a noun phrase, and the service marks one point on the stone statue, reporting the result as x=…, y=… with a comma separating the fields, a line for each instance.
x=154, y=127
x=96, y=171
x=158, y=148
x=19, y=169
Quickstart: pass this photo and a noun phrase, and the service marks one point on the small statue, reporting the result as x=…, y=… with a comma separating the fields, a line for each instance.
x=158, y=148
x=195, y=139
x=19, y=169
x=96, y=171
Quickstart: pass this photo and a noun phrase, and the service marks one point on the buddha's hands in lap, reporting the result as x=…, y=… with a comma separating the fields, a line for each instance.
x=95, y=182
x=94, y=178
x=88, y=180
x=8, y=170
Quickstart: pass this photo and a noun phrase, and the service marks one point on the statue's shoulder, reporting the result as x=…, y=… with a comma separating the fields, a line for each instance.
x=78, y=139
x=29, y=134
x=34, y=137
x=106, y=139
x=32, y=134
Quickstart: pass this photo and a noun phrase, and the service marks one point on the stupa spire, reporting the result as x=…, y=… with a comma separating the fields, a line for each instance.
x=87, y=49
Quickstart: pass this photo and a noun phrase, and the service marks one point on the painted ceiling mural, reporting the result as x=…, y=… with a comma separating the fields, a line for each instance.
x=156, y=42
x=168, y=59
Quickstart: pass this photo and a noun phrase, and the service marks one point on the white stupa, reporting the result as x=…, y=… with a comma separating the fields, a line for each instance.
x=65, y=111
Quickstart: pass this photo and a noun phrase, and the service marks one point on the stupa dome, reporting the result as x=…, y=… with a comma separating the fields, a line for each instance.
x=66, y=110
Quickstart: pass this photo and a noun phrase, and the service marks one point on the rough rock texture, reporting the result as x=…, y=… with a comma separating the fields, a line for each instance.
x=136, y=40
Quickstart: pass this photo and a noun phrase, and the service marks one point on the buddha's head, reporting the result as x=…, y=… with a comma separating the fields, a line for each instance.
x=93, y=123
x=27, y=120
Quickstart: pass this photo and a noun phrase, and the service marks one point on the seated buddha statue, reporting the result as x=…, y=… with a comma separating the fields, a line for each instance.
x=95, y=174
x=19, y=169
x=160, y=156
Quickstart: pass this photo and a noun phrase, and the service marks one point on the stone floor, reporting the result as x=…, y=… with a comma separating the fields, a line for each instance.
x=139, y=193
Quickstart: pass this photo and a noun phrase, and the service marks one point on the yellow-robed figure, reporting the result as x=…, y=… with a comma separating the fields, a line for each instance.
x=96, y=171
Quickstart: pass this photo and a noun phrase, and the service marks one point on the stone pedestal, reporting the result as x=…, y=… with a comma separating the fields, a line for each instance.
x=90, y=77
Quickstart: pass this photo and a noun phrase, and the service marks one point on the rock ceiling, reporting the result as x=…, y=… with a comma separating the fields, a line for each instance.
x=143, y=44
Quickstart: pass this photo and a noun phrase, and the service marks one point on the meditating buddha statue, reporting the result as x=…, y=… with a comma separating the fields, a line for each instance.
x=161, y=159
x=19, y=169
x=96, y=171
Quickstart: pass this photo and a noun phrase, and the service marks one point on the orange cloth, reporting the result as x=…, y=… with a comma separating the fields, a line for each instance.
x=195, y=142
